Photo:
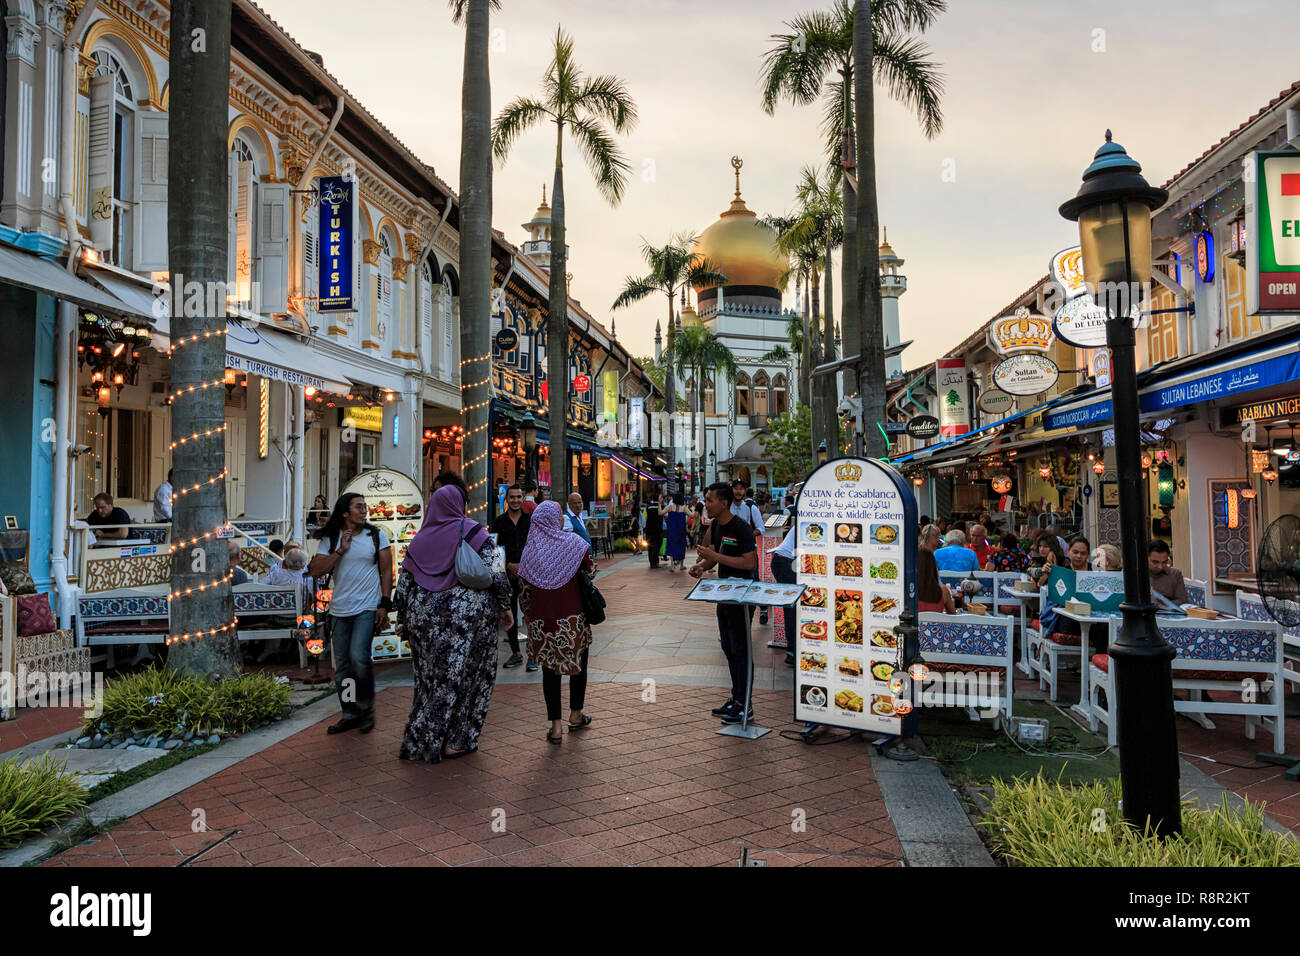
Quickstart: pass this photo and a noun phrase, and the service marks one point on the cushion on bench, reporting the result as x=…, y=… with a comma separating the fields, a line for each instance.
x=1102, y=662
x=1066, y=640
x=956, y=667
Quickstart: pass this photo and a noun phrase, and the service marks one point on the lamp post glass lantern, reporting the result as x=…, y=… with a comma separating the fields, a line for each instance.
x=1113, y=209
x=821, y=454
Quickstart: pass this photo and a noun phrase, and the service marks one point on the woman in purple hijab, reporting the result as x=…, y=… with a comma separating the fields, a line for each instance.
x=452, y=631
x=551, y=604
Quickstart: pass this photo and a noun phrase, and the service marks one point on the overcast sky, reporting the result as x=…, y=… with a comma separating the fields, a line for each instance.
x=1027, y=101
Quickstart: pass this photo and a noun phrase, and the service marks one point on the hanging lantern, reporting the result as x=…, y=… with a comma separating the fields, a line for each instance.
x=1249, y=493
x=919, y=672
x=1044, y=471
x=1146, y=462
x=229, y=377
x=1002, y=484
x=1270, y=474
x=918, y=481
x=902, y=706
x=896, y=684
x=1233, y=509
x=1098, y=467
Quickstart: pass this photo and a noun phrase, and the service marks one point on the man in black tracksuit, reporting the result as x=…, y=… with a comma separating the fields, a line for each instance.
x=654, y=530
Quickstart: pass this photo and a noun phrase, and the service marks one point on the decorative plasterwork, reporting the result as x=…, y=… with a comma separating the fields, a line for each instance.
x=399, y=269
x=23, y=37
x=370, y=252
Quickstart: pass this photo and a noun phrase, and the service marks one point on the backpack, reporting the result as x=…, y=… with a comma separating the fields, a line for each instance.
x=374, y=536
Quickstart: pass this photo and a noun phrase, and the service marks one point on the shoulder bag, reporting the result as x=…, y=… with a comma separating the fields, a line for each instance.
x=593, y=602
x=471, y=570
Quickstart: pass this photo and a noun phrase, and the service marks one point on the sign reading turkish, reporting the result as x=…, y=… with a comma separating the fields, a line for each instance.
x=507, y=340
x=1025, y=374
x=857, y=561
x=954, y=404
x=338, y=212
x=923, y=426
x=1273, y=223
x=995, y=402
x=1023, y=331
x=581, y=384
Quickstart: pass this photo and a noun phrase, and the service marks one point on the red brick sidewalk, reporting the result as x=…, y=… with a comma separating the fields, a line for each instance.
x=647, y=783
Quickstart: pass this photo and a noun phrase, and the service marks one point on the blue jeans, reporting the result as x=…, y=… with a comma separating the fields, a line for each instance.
x=352, y=638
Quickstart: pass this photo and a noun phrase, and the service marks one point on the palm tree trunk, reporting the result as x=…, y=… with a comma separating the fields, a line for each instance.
x=196, y=247
x=670, y=389
x=476, y=255
x=831, y=381
x=871, y=364
x=817, y=396
x=849, y=325
x=557, y=336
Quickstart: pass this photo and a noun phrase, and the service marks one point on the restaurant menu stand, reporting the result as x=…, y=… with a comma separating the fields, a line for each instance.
x=741, y=592
x=857, y=531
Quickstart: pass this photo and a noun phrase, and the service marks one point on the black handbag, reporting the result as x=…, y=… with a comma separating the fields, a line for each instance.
x=593, y=602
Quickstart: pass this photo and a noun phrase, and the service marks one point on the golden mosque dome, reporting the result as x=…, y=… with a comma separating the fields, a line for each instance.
x=689, y=317
x=741, y=247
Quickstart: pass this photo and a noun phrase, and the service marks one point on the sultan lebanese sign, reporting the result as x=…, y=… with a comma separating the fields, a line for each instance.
x=338, y=211
x=1025, y=374
x=1273, y=225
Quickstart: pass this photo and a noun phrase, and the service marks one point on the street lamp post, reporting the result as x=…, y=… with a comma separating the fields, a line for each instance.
x=528, y=433
x=821, y=454
x=1113, y=209
x=713, y=468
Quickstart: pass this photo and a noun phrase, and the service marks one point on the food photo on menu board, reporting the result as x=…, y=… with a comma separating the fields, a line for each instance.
x=854, y=549
x=393, y=503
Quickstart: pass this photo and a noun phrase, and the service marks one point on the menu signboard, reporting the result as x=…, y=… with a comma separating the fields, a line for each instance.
x=857, y=559
x=394, y=504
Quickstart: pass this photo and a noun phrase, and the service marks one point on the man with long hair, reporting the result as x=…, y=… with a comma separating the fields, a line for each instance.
x=359, y=558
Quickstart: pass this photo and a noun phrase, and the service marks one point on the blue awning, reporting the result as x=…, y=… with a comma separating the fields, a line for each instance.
x=929, y=450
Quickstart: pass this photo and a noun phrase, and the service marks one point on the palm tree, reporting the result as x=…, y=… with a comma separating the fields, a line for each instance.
x=475, y=245
x=196, y=252
x=700, y=352
x=797, y=68
x=818, y=230
x=583, y=105
x=673, y=266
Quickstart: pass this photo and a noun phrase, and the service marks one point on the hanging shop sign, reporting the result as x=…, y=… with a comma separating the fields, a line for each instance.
x=507, y=340
x=337, y=229
x=954, y=404
x=1273, y=225
x=923, y=426
x=1269, y=411
x=1205, y=256
x=1279, y=370
x=1081, y=322
x=995, y=402
x=1025, y=374
x=1024, y=331
x=610, y=394
x=1066, y=269
x=368, y=418
x=1099, y=367
x=635, y=421
x=581, y=384
x=857, y=559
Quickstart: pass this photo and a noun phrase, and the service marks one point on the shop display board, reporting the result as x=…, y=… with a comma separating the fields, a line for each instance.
x=394, y=504
x=857, y=559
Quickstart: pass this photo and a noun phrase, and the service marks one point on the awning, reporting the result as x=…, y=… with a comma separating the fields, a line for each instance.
x=961, y=444
x=40, y=275
x=249, y=348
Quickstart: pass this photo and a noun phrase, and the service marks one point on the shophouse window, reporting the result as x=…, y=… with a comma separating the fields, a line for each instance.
x=384, y=290
x=111, y=145
x=760, y=394
x=258, y=231
x=1162, y=336
x=709, y=399
x=780, y=395
x=1239, y=324
x=448, y=333
x=130, y=442
x=241, y=201
x=742, y=395
x=426, y=311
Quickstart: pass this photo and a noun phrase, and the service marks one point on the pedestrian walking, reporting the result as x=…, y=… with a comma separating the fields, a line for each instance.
x=783, y=573
x=744, y=508
x=511, y=529
x=452, y=630
x=675, y=525
x=732, y=550
x=693, y=513
x=162, y=499
x=559, y=637
x=654, y=529
x=359, y=560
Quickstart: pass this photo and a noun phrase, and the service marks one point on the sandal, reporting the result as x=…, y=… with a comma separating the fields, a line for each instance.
x=554, y=740
x=585, y=722
x=453, y=754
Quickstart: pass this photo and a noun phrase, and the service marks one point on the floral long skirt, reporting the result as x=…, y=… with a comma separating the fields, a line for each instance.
x=453, y=637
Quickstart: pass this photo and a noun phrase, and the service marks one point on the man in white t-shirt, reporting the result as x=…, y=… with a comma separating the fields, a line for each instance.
x=359, y=559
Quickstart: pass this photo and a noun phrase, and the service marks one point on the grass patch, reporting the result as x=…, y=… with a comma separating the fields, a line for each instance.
x=1039, y=822
x=168, y=703
x=622, y=546
x=128, y=778
x=34, y=794
x=976, y=753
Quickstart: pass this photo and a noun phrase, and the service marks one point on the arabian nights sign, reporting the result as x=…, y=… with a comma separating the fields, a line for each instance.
x=338, y=211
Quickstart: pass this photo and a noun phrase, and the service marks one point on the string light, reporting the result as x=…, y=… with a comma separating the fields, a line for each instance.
x=216, y=582
x=186, y=390
x=210, y=632
x=207, y=433
x=177, y=545
x=211, y=481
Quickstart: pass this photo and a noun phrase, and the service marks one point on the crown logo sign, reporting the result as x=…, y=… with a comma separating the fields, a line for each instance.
x=1023, y=330
x=848, y=472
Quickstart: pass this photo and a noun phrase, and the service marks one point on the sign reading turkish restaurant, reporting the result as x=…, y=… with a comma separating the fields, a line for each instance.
x=338, y=212
x=1266, y=411
x=1273, y=223
x=954, y=404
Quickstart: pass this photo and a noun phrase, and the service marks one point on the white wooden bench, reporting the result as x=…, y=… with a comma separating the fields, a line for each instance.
x=1243, y=658
x=1250, y=607
x=971, y=645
